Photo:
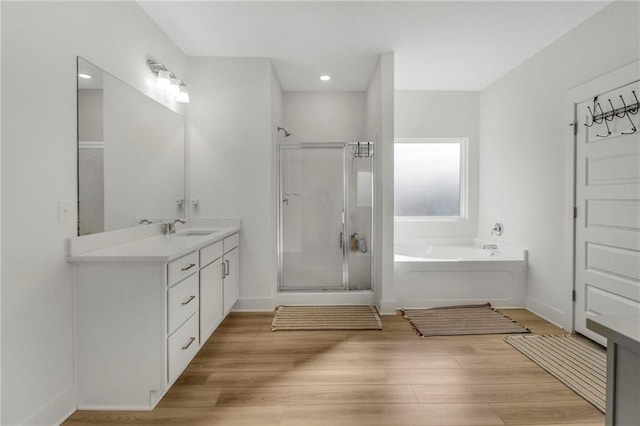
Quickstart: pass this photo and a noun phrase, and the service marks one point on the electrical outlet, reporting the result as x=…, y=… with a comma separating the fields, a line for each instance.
x=64, y=211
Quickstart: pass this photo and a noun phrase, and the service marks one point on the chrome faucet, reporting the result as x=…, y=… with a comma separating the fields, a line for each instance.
x=170, y=227
x=143, y=221
x=489, y=247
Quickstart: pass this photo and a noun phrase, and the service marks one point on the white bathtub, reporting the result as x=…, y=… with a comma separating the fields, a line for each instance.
x=454, y=271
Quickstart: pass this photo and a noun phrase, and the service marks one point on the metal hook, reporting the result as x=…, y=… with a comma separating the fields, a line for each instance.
x=610, y=113
x=624, y=108
x=592, y=118
x=634, y=111
x=608, y=131
x=601, y=114
x=633, y=127
x=602, y=120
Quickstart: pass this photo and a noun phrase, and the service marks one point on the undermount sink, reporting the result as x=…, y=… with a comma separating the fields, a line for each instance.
x=195, y=233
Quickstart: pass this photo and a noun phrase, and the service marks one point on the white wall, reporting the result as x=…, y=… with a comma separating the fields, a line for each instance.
x=380, y=129
x=0, y=216
x=523, y=139
x=40, y=42
x=231, y=160
x=324, y=116
x=277, y=113
x=441, y=114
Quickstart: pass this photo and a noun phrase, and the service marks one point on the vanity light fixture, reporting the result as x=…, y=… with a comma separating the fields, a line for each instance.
x=169, y=81
x=164, y=79
x=183, y=94
x=325, y=77
x=85, y=76
x=174, y=86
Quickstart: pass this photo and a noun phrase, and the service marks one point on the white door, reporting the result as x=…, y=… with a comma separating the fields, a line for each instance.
x=607, y=252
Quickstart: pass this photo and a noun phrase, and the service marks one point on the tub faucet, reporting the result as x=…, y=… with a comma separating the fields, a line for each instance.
x=489, y=247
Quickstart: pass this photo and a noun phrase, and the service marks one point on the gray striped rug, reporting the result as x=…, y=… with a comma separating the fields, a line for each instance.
x=326, y=318
x=461, y=320
x=580, y=366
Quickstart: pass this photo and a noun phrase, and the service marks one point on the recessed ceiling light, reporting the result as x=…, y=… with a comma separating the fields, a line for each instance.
x=325, y=77
x=85, y=76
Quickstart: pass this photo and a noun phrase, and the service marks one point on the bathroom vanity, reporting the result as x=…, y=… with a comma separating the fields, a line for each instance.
x=145, y=306
x=623, y=366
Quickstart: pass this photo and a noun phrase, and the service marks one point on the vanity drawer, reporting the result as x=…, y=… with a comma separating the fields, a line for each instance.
x=210, y=253
x=183, y=302
x=182, y=347
x=231, y=242
x=182, y=268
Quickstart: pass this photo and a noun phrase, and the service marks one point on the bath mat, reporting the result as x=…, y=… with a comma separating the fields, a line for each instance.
x=326, y=318
x=461, y=320
x=580, y=366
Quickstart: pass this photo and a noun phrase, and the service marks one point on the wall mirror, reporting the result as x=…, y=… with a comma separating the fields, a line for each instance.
x=130, y=155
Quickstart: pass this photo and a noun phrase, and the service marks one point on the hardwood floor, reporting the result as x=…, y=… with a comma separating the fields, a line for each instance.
x=247, y=375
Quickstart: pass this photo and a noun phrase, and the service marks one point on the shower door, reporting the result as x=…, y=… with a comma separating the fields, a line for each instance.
x=324, y=218
x=312, y=197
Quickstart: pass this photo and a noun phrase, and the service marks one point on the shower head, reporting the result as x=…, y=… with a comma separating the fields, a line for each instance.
x=286, y=133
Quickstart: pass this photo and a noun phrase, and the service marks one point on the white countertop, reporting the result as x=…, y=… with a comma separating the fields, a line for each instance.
x=621, y=329
x=157, y=248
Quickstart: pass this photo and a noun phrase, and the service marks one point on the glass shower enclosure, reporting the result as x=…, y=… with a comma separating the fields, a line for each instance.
x=325, y=216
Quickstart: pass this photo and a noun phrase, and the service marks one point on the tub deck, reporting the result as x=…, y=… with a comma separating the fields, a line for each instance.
x=459, y=272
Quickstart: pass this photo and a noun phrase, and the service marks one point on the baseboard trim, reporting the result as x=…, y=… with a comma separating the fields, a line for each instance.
x=263, y=304
x=326, y=298
x=388, y=307
x=545, y=311
x=90, y=407
x=55, y=411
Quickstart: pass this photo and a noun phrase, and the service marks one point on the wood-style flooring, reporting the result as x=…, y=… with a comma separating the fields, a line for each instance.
x=247, y=375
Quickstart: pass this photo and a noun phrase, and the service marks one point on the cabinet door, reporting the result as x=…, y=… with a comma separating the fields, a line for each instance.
x=231, y=281
x=210, y=298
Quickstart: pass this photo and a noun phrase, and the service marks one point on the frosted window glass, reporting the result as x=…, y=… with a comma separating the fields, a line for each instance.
x=427, y=179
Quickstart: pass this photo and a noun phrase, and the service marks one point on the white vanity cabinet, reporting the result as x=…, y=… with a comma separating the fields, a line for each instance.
x=140, y=319
x=231, y=272
x=211, y=289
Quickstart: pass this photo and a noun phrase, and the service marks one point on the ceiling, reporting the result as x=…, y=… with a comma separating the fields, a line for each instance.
x=438, y=45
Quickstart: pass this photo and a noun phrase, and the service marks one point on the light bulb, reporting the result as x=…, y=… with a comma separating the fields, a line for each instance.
x=174, y=87
x=183, y=95
x=164, y=79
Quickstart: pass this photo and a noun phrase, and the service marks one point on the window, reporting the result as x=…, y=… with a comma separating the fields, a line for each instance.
x=430, y=179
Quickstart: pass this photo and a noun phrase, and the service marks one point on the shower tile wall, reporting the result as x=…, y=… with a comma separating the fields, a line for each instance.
x=360, y=179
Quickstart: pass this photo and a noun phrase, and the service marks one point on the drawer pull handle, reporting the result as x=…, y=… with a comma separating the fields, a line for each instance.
x=188, y=300
x=188, y=267
x=226, y=268
x=185, y=347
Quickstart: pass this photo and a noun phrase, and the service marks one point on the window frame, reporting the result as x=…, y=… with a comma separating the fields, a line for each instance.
x=464, y=176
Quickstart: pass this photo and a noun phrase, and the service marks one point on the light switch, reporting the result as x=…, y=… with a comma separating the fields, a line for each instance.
x=64, y=211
